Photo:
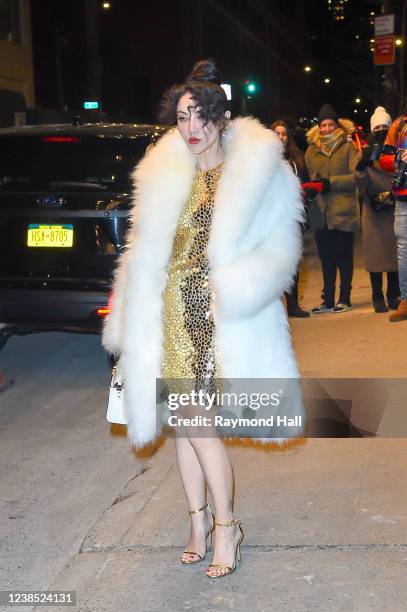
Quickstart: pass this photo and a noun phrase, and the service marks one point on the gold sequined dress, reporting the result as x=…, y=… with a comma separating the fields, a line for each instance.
x=190, y=354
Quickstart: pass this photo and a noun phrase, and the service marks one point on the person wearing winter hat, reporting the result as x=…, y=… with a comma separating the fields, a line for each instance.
x=380, y=120
x=379, y=240
x=396, y=164
x=327, y=112
x=334, y=215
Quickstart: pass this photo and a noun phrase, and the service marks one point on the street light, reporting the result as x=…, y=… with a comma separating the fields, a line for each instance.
x=106, y=6
x=357, y=100
x=307, y=68
x=399, y=42
x=327, y=80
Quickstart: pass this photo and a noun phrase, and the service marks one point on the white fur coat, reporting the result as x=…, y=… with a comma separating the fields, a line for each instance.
x=253, y=251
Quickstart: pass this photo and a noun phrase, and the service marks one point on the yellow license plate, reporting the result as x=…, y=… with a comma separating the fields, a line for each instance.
x=39, y=235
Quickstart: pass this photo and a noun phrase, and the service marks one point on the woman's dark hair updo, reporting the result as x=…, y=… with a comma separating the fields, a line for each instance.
x=203, y=83
x=205, y=70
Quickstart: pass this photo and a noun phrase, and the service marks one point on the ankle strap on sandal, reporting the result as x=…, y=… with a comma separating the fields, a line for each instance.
x=199, y=509
x=234, y=521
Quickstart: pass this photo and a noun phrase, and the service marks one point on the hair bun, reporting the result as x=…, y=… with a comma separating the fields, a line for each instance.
x=205, y=70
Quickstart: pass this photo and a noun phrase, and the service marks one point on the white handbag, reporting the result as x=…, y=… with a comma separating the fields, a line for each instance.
x=115, y=404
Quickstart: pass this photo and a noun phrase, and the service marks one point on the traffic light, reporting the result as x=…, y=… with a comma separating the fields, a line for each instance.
x=250, y=87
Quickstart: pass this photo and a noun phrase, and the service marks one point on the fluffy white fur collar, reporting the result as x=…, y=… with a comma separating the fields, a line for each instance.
x=251, y=155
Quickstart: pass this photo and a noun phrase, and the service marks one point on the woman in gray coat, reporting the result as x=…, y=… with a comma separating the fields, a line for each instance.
x=379, y=241
x=334, y=216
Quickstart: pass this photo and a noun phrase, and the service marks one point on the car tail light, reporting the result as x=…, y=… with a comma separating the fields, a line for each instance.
x=60, y=139
x=102, y=312
x=105, y=310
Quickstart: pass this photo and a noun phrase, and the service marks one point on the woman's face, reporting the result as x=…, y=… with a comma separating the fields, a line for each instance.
x=327, y=126
x=197, y=137
x=282, y=134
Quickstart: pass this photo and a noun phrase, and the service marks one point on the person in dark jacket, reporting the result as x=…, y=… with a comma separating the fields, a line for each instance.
x=379, y=240
x=295, y=158
x=334, y=216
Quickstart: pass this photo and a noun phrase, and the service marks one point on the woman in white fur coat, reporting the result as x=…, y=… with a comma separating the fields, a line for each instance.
x=252, y=251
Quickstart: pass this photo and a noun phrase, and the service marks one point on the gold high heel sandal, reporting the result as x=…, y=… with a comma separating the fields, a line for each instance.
x=229, y=568
x=209, y=533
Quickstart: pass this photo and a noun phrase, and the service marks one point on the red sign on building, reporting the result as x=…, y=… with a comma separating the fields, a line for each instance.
x=384, y=50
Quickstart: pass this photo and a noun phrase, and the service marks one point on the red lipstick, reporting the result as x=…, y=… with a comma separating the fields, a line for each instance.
x=194, y=140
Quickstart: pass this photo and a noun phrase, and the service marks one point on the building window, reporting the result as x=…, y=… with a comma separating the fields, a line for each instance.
x=10, y=21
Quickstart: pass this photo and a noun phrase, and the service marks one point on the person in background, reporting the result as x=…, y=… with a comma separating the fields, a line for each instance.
x=295, y=158
x=379, y=241
x=396, y=163
x=334, y=216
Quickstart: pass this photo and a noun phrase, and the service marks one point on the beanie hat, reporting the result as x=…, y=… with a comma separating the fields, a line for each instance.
x=380, y=117
x=327, y=112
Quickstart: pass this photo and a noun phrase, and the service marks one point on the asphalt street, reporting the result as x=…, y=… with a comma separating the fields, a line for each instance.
x=60, y=466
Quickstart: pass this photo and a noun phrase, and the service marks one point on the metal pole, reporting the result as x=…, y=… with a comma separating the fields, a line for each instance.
x=389, y=81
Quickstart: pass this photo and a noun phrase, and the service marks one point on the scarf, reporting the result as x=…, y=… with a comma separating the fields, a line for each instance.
x=329, y=143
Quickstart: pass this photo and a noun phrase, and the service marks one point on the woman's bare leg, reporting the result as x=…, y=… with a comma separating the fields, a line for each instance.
x=194, y=484
x=217, y=469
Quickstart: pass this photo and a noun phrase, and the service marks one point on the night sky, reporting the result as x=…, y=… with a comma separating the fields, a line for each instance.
x=145, y=46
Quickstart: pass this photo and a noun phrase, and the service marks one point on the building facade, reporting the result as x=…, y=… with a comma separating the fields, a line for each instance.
x=16, y=64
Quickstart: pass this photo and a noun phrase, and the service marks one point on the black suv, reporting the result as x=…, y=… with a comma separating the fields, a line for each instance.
x=64, y=201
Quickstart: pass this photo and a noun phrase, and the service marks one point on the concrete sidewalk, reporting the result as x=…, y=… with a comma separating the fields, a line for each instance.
x=325, y=526
x=325, y=520
x=357, y=343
